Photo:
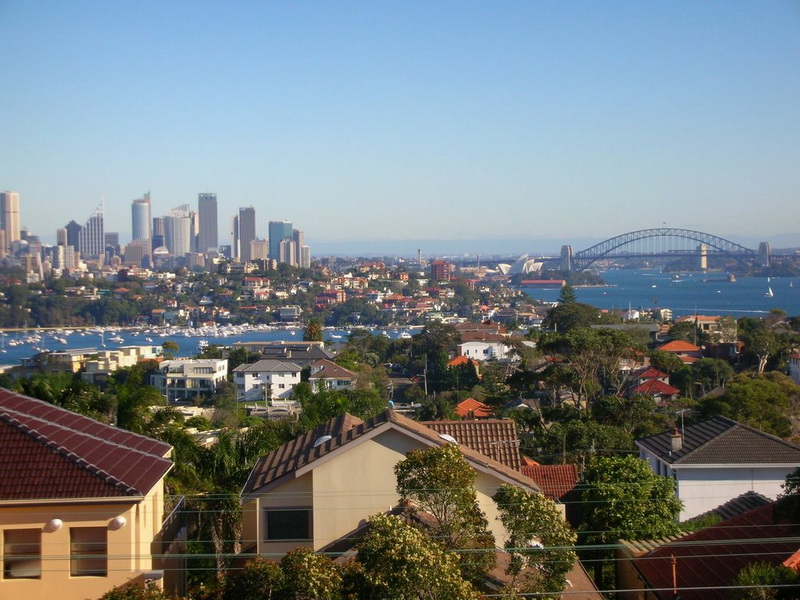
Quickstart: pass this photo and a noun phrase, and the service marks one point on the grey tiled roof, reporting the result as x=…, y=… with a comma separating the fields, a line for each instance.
x=722, y=441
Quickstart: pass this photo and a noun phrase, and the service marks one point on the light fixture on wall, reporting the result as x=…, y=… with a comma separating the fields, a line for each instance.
x=117, y=523
x=53, y=525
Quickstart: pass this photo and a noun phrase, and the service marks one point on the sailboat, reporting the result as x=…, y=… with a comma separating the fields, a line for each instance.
x=769, y=293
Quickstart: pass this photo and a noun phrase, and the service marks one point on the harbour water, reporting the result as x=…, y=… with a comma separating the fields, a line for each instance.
x=687, y=293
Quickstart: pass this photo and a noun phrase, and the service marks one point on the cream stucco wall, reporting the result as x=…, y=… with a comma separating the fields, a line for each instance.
x=346, y=488
x=129, y=546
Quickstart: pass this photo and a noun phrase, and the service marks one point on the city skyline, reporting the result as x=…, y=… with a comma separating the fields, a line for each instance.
x=452, y=123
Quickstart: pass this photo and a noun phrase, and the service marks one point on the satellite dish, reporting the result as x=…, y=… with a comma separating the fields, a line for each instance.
x=322, y=440
x=448, y=438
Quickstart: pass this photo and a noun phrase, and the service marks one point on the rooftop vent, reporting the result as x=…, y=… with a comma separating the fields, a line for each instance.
x=321, y=440
x=448, y=438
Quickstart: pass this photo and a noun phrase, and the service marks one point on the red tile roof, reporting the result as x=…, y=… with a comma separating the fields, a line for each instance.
x=47, y=452
x=555, y=480
x=655, y=387
x=495, y=438
x=679, y=346
x=709, y=560
x=472, y=409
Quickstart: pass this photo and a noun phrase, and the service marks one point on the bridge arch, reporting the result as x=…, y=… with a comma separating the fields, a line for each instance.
x=715, y=244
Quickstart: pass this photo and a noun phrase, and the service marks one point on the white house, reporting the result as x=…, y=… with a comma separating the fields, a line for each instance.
x=719, y=459
x=485, y=349
x=189, y=378
x=266, y=379
x=794, y=367
x=331, y=375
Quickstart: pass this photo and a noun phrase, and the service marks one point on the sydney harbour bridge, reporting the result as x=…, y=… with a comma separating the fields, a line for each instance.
x=666, y=242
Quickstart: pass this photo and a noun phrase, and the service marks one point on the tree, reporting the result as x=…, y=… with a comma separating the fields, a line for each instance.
x=137, y=591
x=169, y=349
x=440, y=482
x=402, y=563
x=310, y=576
x=710, y=373
x=760, y=342
x=635, y=415
x=313, y=331
x=539, y=539
x=664, y=361
x=622, y=498
x=754, y=401
x=260, y=579
x=763, y=581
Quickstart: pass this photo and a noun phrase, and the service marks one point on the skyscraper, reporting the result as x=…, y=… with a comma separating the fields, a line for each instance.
x=140, y=218
x=278, y=231
x=178, y=231
x=207, y=232
x=247, y=231
x=9, y=220
x=91, y=239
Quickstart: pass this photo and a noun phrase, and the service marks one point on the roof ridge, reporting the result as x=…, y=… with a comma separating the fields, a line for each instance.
x=69, y=455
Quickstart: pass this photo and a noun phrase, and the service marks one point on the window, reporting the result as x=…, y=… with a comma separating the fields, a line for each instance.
x=286, y=524
x=22, y=554
x=88, y=551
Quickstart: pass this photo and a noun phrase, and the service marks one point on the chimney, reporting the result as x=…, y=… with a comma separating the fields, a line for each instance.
x=677, y=441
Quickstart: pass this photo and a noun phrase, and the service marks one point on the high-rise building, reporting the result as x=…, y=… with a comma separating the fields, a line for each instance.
x=278, y=231
x=178, y=231
x=207, y=231
x=287, y=252
x=9, y=220
x=140, y=218
x=235, y=252
x=247, y=231
x=259, y=250
x=305, y=257
x=91, y=239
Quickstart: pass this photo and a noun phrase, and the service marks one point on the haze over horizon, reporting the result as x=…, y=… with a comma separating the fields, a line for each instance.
x=378, y=125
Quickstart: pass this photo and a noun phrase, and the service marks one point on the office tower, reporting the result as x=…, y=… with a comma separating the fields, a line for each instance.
x=137, y=253
x=140, y=218
x=247, y=231
x=157, y=233
x=278, y=231
x=286, y=252
x=305, y=257
x=61, y=236
x=9, y=219
x=91, y=239
x=178, y=231
x=297, y=238
x=207, y=230
x=259, y=250
x=235, y=252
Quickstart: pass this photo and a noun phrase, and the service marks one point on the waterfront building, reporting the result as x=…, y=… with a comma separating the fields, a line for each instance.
x=266, y=380
x=207, y=226
x=179, y=380
x=9, y=220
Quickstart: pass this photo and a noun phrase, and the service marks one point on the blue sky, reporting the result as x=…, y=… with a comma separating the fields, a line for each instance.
x=391, y=121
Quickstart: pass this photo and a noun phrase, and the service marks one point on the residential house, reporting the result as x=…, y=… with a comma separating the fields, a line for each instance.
x=321, y=486
x=495, y=438
x=97, y=369
x=556, y=481
x=704, y=565
x=688, y=353
x=718, y=459
x=266, y=380
x=81, y=503
x=483, y=346
x=327, y=373
x=184, y=379
x=472, y=409
x=649, y=381
x=300, y=353
x=794, y=367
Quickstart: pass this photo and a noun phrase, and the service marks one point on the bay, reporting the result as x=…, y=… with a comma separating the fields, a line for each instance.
x=686, y=293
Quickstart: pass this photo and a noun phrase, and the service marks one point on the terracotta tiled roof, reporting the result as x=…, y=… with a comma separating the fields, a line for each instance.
x=495, y=438
x=653, y=387
x=304, y=450
x=472, y=409
x=460, y=360
x=47, y=452
x=649, y=373
x=555, y=480
x=710, y=559
x=720, y=440
x=679, y=346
